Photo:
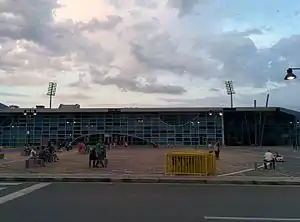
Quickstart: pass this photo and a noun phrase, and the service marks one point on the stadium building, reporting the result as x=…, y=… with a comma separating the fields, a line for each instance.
x=140, y=126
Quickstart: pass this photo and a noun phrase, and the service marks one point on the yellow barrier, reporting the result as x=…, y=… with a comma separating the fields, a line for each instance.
x=190, y=163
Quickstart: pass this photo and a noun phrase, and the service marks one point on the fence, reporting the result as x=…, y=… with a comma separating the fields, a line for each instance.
x=190, y=163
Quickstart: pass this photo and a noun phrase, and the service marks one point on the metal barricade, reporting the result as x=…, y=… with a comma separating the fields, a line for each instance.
x=190, y=163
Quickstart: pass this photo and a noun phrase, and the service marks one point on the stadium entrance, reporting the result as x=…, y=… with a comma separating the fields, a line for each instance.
x=117, y=139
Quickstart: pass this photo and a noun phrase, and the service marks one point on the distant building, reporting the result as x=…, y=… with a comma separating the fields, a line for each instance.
x=14, y=107
x=64, y=106
x=158, y=126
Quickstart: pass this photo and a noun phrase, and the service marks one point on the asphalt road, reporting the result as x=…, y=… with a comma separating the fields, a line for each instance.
x=79, y=202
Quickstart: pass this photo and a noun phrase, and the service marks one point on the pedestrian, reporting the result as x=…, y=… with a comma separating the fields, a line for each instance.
x=269, y=159
x=217, y=150
x=99, y=148
x=92, y=157
x=295, y=144
x=104, y=156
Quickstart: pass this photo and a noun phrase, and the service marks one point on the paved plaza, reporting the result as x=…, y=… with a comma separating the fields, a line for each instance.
x=234, y=161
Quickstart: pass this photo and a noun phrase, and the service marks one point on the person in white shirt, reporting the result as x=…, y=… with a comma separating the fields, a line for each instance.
x=32, y=153
x=269, y=158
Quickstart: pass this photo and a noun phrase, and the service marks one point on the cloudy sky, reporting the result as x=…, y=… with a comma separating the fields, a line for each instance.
x=124, y=53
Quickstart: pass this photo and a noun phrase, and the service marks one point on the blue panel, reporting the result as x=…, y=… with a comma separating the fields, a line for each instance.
x=163, y=129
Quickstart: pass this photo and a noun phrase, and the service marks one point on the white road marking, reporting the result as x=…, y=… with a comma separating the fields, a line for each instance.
x=22, y=192
x=9, y=184
x=251, y=218
x=2, y=188
x=239, y=172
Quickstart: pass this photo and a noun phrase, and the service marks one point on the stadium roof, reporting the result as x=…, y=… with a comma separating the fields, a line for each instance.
x=70, y=109
x=2, y=106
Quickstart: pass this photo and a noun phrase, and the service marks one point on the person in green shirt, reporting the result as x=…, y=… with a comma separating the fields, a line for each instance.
x=101, y=153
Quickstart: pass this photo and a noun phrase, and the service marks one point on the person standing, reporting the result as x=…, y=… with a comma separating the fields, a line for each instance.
x=99, y=153
x=104, y=155
x=269, y=158
x=92, y=157
x=217, y=150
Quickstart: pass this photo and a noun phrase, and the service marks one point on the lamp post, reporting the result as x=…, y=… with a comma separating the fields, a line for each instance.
x=70, y=130
x=290, y=74
x=217, y=114
x=295, y=127
x=29, y=115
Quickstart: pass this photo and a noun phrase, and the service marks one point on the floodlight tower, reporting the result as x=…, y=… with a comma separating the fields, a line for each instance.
x=51, y=92
x=230, y=91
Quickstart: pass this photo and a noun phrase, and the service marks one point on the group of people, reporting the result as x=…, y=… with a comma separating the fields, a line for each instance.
x=98, y=155
x=46, y=154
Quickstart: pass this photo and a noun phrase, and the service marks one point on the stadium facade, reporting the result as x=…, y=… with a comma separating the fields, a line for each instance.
x=157, y=126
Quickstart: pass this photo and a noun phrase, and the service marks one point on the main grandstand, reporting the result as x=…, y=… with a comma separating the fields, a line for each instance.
x=156, y=126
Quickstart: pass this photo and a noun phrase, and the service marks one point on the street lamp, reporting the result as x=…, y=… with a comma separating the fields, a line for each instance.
x=216, y=115
x=29, y=114
x=289, y=74
x=214, y=112
x=70, y=129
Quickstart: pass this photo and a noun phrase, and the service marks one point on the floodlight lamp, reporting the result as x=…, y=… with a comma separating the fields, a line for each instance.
x=229, y=87
x=290, y=75
x=220, y=113
x=210, y=113
x=25, y=113
x=52, y=89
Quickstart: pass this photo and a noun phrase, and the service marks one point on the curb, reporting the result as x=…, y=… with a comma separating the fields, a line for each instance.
x=155, y=180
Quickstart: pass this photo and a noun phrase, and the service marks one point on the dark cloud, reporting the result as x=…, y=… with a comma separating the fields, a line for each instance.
x=73, y=97
x=134, y=84
x=96, y=25
x=134, y=54
x=34, y=23
x=8, y=94
x=214, y=90
x=184, y=6
x=146, y=3
x=81, y=82
x=218, y=101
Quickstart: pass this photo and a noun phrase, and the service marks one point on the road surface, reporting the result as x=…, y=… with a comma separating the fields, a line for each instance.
x=81, y=202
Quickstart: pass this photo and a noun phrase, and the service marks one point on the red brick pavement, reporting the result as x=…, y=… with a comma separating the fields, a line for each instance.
x=131, y=161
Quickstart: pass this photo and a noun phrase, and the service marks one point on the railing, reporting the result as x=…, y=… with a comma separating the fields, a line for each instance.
x=190, y=163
